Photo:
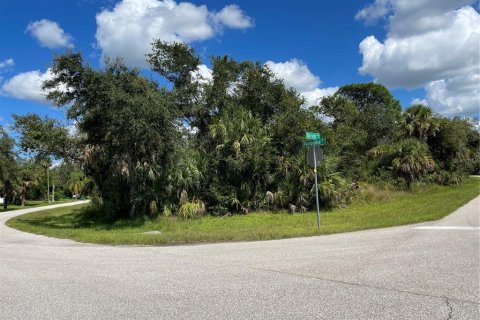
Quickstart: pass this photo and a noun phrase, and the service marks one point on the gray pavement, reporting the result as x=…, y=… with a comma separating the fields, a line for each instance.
x=395, y=273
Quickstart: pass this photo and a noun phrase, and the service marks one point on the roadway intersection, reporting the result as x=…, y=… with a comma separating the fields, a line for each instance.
x=423, y=271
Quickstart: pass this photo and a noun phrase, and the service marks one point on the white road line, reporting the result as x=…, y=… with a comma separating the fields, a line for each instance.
x=448, y=228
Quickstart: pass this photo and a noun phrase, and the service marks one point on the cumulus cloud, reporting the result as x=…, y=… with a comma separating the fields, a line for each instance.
x=7, y=63
x=455, y=96
x=202, y=75
x=373, y=12
x=419, y=101
x=431, y=44
x=49, y=34
x=128, y=29
x=296, y=74
x=27, y=85
x=233, y=17
x=416, y=59
x=313, y=97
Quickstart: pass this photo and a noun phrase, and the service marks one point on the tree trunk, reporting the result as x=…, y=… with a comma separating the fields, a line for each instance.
x=132, y=200
x=48, y=186
x=23, y=199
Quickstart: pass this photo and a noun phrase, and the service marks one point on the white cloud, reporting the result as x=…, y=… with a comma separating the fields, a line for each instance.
x=233, y=17
x=202, y=75
x=414, y=60
x=455, y=96
x=27, y=85
x=72, y=128
x=313, y=97
x=7, y=63
x=418, y=11
x=419, y=101
x=432, y=44
x=49, y=34
x=374, y=11
x=129, y=28
x=297, y=75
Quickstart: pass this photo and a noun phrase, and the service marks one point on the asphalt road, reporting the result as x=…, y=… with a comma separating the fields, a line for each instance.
x=425, y=271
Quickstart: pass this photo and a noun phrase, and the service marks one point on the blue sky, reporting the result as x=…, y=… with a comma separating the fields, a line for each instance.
x=425, y=51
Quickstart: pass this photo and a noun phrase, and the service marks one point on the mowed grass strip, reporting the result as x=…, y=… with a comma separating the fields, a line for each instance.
x=386, y=209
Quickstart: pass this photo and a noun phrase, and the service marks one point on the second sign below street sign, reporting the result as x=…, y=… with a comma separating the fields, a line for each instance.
x=311, y=157
x=312, y=143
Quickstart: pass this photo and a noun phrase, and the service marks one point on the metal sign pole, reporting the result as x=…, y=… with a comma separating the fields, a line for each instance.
x=48, y=184
x=316, y=188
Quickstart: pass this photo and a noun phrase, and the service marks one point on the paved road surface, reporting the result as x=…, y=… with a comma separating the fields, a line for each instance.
x=408, y=272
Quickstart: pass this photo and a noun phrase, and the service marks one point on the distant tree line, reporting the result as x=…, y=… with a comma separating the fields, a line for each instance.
x=218, y=146
x=23, y=179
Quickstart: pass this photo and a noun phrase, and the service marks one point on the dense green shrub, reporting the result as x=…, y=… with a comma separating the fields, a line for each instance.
x=191, y=210
x=447, y=178
x=153, y=208
x=335, y=191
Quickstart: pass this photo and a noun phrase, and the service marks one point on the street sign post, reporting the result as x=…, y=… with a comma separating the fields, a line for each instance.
x=314, y=157
x=316, y=188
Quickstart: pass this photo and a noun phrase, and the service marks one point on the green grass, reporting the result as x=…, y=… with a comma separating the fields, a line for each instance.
x=31, y=204
x=376, y=208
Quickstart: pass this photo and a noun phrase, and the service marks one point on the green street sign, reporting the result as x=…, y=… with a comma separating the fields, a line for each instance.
x=312, y=136
x=319, y=142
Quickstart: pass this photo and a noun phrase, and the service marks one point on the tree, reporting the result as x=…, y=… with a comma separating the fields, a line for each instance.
x=455, y=145
x=346, y=135
x=379, y=113
x=241, y=159
x=409, y=159
x=27, y=177
x=174, y=60
x=128, y=127
x=224, y=143
x=8, y=167
x=217, y=94
x=412, y=159
x=419, y=122
x=244, y=120
x=46, y=138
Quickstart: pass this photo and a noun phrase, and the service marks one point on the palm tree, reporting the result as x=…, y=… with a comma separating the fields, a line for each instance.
x=27, y=178
x=75, y=187
x=240, y=156
x=412, y=159
x=419, y=122
x=187, y=174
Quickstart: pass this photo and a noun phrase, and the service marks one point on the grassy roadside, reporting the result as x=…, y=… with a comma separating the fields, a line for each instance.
x=32, y=204
x=386, y=209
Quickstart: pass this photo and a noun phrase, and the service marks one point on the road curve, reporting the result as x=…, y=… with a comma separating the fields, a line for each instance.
x=423, y=271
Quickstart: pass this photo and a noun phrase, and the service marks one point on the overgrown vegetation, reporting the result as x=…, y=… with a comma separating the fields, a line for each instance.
x=373, y=207
x=233, y=143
